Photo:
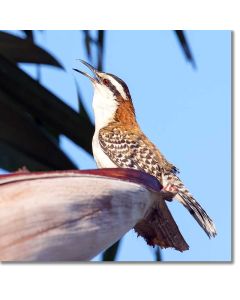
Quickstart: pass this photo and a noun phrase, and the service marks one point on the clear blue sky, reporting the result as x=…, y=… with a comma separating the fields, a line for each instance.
x=185, y=112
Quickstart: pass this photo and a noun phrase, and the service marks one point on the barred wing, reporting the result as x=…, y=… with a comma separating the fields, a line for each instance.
x=130, y=150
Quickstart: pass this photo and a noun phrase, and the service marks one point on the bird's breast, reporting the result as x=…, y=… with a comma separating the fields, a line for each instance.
x=102, y=160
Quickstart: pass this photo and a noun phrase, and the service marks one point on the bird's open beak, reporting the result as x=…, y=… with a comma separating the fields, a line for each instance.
x=95, y=71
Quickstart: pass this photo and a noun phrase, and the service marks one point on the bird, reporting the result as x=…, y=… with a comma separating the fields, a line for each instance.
x=119, y=142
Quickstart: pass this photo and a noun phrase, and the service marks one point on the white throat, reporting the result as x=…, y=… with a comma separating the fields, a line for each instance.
x=104, y=107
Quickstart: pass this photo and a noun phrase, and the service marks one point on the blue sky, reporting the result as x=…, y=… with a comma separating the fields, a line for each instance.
x=185, y=112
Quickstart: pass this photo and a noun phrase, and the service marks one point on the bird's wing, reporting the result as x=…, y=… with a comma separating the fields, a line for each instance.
x=130, y=150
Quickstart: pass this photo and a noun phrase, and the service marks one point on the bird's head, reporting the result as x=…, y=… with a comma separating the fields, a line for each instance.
x=112, y=100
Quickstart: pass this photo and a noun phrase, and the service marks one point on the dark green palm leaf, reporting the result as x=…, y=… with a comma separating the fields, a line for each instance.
x=111, y=253
x=100, y=44
x=87, y=43
x=82, y=111
x=42, y=105
x=24, y=143
x=185, y=46
x=24, y=50
x=158, y=256
x=29, y=34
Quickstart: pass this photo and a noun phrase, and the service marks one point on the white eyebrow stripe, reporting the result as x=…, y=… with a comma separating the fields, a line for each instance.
x=118, y=86
x=120, y=89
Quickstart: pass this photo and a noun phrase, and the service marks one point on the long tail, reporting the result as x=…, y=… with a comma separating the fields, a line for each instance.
x=195, y=209
x=197, y=212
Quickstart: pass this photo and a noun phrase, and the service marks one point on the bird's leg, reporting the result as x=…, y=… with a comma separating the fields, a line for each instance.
x=169, y=191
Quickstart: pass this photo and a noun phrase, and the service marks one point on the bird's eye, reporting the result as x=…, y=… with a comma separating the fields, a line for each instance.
x=106, y=82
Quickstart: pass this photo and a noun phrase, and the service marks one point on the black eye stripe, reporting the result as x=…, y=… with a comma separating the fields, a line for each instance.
x=121, y=82
x=113, y=89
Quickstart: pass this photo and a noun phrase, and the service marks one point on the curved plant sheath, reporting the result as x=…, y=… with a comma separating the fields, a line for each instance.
x=24, y=50
x=185, y=46
x=60, y=225
x=74, y=215
x=41, y=104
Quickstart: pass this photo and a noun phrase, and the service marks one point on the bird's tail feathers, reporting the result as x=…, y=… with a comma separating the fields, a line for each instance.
x=197, y=212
